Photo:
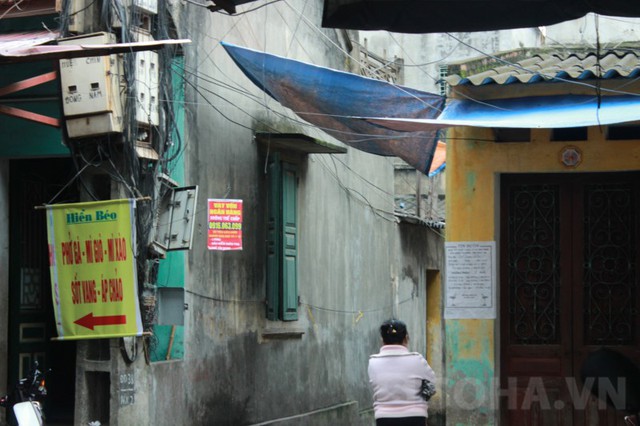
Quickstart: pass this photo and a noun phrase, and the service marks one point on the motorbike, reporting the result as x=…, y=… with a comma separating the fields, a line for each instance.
x=25, y=400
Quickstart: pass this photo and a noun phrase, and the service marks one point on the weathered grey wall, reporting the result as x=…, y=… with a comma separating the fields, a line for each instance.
x=357, y=266
x=411, y=185
x=611, y=30
x=168, y=393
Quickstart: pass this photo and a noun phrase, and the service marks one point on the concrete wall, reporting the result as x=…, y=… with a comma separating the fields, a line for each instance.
x=357, y=265
x=411, y=185
x=611, y=30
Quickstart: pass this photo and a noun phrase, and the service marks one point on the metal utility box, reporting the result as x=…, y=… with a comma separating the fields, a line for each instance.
x=91, y=89
x=147, y=82
x=141, y=11
x=148, y=6
x=82, y=16
x=170, y=306
x=176, y=219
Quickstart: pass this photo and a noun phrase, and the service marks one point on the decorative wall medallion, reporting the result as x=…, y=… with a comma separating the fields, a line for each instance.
x=571, y=156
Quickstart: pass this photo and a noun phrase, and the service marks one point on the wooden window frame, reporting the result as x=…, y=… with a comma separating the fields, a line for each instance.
x=282, y=240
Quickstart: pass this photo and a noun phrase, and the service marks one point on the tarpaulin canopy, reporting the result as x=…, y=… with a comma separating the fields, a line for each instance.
x=374, y=116
x=431, y=16
x=331, y=100
x=528, y=112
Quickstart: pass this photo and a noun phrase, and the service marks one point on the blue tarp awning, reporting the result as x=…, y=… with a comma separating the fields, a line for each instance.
x=332, y=100
x=548, y=112
x=385, y=119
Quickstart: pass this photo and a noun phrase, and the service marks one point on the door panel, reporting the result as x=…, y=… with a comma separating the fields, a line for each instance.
x=534, y=325
x=568, y=287
x=606, y=311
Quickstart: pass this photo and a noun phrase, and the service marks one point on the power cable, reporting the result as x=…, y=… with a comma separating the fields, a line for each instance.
x=15, y=5
x=268, y=109
x=366, y=137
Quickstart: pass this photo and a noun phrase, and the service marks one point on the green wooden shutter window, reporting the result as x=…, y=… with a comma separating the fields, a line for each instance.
x=274, y=196
x=289, y=244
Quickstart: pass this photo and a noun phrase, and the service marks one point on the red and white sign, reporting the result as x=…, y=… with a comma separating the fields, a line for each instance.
x=225, y=224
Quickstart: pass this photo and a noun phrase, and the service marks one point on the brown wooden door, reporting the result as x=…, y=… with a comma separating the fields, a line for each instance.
x=568, y=287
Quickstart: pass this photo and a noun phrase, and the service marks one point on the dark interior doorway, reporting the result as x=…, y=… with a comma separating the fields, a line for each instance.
x=35, y=182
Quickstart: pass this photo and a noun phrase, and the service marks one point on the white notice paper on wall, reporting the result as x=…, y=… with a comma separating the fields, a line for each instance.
x=470, y=289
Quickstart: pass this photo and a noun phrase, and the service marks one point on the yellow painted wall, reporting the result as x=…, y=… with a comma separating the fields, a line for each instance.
x=473, y=169
x=435, y=341
x=474, y=163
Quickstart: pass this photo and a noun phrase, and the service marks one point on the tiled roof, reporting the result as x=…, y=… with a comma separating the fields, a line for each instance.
x=531, y=67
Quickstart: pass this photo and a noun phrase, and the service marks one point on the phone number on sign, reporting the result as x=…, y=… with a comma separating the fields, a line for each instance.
x=225, y=225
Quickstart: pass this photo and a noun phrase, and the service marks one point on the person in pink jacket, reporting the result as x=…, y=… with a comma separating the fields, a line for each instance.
x=396, y=376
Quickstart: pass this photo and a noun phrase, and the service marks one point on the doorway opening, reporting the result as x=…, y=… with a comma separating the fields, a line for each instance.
x=32, y=183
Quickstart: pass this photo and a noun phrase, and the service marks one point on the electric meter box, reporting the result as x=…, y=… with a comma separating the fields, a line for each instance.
x=140, y=11
x=147, y=82
x=176, y=219
x=148, y=6
x=82, y=16
x=91, y=89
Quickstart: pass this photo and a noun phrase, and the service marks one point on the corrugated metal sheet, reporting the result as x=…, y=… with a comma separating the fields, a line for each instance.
x=12, y=42
x=29, y=46
x=623, y=63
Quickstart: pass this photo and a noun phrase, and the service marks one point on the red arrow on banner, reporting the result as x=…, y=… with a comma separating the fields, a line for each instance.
x=89, y=321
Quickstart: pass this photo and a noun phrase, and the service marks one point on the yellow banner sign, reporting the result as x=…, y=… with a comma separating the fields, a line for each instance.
x=93, y=270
